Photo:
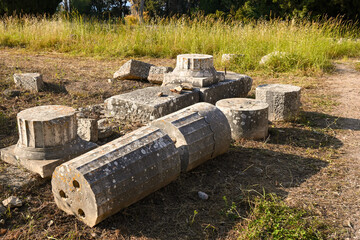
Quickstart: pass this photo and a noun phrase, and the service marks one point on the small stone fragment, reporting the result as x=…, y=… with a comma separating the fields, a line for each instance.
x=187, y=86
x=29, y=81
x=104, y=130
x=9, y=93
x=110, y=80
x=50, y=223
x=203, y=195
x=177, y=90
x=159, y=94
x=12, y=202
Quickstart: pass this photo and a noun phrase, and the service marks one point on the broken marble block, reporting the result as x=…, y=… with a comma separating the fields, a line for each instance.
x=144, y=105
x=156, y=74
x=197, y=69
x=47, y=138
x=200, y=132
x=234, y=86
x=283, y=99
x=29, y=81
x=133, y=70
x=105, y=180
x=88, y=129
x=248, y=118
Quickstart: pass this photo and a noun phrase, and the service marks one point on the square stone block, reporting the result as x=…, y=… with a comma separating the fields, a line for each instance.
x=146, y=104
x=29, y=81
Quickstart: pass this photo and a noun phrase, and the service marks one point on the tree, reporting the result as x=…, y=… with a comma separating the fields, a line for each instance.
x=28, y=7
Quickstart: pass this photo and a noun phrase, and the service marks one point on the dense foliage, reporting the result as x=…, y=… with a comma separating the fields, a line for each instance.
x=28, y=7
x=235, y=9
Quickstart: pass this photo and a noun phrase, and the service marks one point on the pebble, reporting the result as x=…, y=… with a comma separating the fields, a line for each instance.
x=203, y=195
x=12, y=202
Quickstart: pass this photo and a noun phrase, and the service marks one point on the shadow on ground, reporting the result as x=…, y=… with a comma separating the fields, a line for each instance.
x=302, y=138
x=54, y=88
x=170, y=212
x=328, y=121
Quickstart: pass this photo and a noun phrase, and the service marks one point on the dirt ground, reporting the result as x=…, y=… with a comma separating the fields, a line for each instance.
x=311, y=162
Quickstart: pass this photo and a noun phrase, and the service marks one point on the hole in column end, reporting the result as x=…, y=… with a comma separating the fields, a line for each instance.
x=76, y=184
x=81, y=213
x=62, y=194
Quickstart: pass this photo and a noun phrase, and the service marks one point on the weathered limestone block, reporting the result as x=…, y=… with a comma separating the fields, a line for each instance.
x=88, y=129
x=197, y=69
x=47, y=137
x=156, y=74
x=234, y=85
x=200, y=132
x=144, y=104
x=283, y=99
x=228, y=57
x=248, y=118
x=133, y=70
x=267, y=58
x=101, y=182
x=29, y=81
x=104, y=130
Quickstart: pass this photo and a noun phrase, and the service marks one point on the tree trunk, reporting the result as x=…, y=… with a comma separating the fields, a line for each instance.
x=141, y=11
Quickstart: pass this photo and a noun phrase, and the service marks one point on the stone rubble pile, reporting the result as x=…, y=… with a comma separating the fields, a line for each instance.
x=184, y=129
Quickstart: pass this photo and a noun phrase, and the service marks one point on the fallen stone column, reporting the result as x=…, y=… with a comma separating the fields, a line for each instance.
x=101, y=182
x=200, y=132
x=248, y=118
x=47, y=138
x=283, y=99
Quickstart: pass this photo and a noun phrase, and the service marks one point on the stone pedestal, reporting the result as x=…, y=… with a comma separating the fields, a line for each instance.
x=47, y=137
x=248, y=118
x=197, y=69
x=101, y=182
x=283, y=99
x=200, y=132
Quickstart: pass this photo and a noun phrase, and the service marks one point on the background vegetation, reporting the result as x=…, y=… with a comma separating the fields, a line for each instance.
x=309, y=45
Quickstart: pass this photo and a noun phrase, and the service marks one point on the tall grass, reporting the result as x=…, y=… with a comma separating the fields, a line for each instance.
x=308, y=44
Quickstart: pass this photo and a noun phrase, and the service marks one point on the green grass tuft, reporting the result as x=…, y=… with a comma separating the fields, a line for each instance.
x=271, y=218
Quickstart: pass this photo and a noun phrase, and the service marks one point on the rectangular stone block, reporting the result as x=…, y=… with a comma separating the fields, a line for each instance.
x=29, y=81
x=88, y=129
x=156, y=74
x=234, y=86
x=134, y=70
x=147, y=104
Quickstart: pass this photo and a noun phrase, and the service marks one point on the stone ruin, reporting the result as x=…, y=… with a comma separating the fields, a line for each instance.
x=184, y=129
x=47, y=138
x=196, y=80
